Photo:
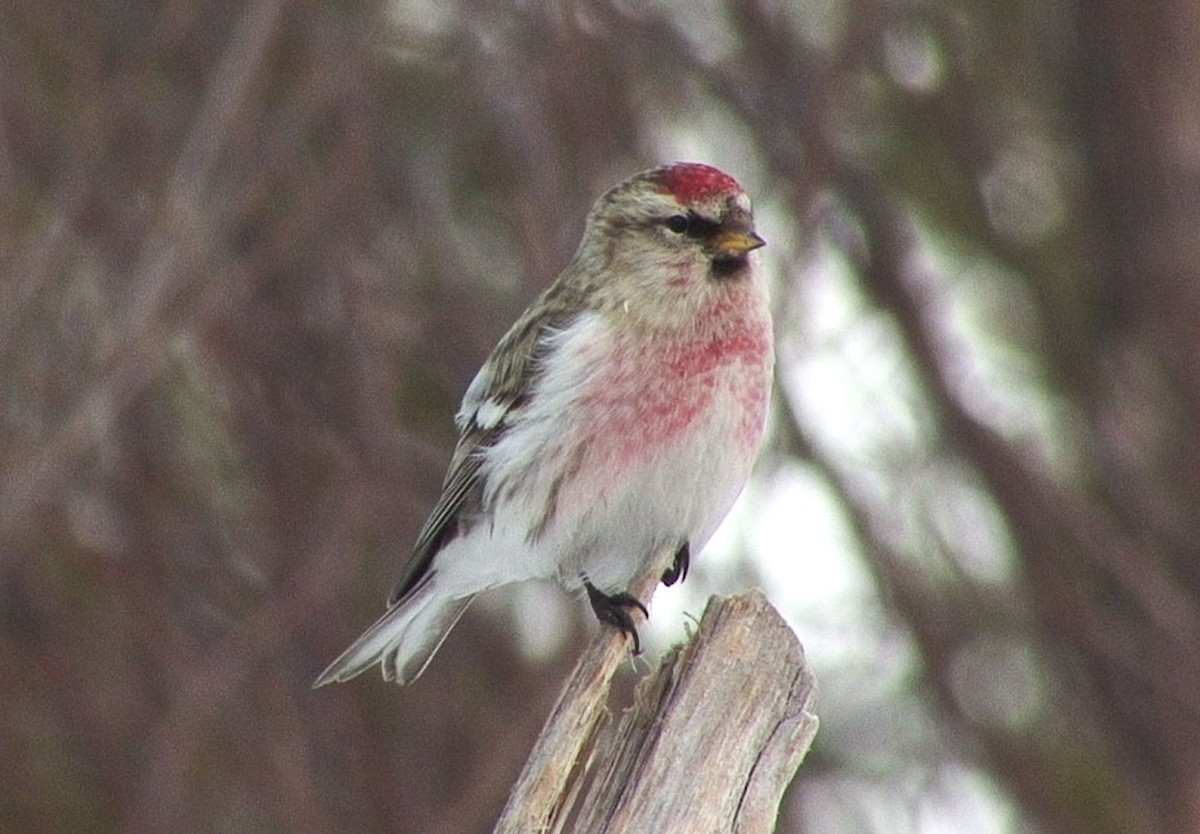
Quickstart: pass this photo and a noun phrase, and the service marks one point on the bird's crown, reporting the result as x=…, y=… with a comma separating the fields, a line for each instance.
x=692, y=182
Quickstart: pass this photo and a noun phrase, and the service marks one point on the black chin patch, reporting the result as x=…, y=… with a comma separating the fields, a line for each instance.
x=729, y=267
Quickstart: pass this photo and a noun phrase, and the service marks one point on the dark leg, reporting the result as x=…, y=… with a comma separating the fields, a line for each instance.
x=679, y=568
x=613, y=609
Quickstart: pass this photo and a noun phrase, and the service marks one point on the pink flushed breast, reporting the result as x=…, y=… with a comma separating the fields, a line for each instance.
x=648, y=402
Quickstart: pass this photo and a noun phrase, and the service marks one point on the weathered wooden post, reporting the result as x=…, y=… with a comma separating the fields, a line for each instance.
x=711, y=742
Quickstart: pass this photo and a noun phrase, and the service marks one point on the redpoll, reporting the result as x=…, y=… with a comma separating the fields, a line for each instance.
x=618, y=418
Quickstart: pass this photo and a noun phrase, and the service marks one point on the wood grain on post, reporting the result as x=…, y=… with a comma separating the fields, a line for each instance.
x=541, y=799
x=710, y=744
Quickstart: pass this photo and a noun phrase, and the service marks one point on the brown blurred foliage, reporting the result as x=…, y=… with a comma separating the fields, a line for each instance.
x=251, y=253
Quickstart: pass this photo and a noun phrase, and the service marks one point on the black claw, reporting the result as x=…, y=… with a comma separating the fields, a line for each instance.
x=613, y=609
x=679, y=568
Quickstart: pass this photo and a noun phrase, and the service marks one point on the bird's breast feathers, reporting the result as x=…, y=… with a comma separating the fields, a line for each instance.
x=630, y=425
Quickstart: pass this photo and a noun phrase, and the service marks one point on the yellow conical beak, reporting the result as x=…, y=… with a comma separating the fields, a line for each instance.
x=732, y=243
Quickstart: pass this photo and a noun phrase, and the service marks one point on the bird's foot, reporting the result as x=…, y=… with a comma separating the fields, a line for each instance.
x=614, y=609
x=679, y=568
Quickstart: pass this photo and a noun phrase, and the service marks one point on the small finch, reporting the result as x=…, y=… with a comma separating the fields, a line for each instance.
x=617, y=419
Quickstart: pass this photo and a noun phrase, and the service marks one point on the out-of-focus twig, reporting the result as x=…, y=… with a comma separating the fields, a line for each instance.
x=177, y=243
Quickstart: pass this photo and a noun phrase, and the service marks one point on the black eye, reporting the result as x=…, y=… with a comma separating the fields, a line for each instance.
x=678, y=223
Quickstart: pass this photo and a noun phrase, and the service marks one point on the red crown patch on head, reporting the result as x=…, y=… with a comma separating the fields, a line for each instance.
x=691, y=182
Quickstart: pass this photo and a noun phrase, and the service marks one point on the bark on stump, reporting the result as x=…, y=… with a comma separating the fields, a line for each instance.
x=710, y=744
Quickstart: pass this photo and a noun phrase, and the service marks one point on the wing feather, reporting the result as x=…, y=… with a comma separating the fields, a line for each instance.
x=495, y=396
x=461, y=486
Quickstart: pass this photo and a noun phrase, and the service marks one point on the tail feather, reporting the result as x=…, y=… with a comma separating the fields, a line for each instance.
x=403, y=640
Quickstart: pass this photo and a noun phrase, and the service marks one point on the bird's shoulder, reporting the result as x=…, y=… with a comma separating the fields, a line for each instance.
x=504, y=383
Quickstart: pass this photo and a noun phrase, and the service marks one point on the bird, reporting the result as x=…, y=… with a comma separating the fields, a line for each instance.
x=617, y=419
